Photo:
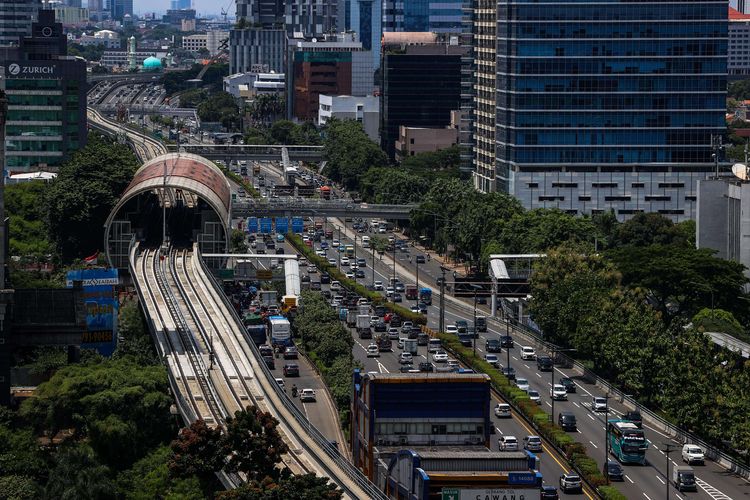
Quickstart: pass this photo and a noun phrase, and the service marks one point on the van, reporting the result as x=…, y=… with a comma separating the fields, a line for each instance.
x=567, y=421
x=683, y=478
x=433, y=345
x=365, y=242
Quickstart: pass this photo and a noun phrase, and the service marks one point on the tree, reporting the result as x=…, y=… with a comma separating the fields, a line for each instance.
x=443, y=163
x=237, y=241
x=255, y=443
x=717, y=320
x=199, y=450
x=18, y=487
x=220, y=107
x=539, y=229
x=149, y=478
x=392, y=185
x=86, y=189
x=302, y=487
x=349, y=152
x=646, y=229
x=78, y=475
x=28, y=232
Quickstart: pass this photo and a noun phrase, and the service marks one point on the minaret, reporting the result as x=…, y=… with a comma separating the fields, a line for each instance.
x=131, y=53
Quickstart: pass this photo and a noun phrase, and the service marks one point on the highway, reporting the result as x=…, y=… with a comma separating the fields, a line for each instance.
x=144, y=146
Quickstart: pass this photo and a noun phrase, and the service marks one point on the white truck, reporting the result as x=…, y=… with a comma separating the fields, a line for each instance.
x=363, y=326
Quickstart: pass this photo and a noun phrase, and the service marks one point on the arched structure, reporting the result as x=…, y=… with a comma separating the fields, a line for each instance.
x=197, y=198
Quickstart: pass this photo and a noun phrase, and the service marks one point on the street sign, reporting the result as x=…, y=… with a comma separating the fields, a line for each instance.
x=490, y=494
x=265, y=225
x=252, y=225
x=298, y=225
x=282, y=225
x=264, y=274
x=450, y=493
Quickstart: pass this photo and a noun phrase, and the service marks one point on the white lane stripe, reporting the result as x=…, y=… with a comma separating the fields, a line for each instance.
x=628, y=478
x=714, y=493
x=660, y=480
x=593, y=444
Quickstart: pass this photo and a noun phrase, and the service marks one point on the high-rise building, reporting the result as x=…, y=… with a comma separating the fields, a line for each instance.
x=180, y=4
x=423, y=15
x=420, y=83
x=46, y=94
x=738, y=56
x=607, y=105
x=257, y=50
x=365, y=17
x=740, y=5
x=261, y=13
x=120, y=8
x=16, y=17
x=484, y=29
x=310, y=17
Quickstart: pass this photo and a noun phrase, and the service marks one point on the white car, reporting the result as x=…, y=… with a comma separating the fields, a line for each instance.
x=332, y=262
x=389, y=291
x=344, y=261
x=451, y=329
x=350, y=275
x=401, y=342
x=522, y=384
x=405, y=358
x=508, y=443
x=535, y=397
x=502, y=410
x=440, y=357
x=280, y=381
x=335, y=285
x=693, y=454
x=321, y=253
x=335, y=243
x=558, y=393
x=373, y=351
x=532, y=443
x=307, y=396
x=598, y=404
x=492, y=360
x=528, y=353
x=378, y=285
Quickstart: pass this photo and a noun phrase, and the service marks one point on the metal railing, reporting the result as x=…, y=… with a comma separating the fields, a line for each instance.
x=333, y=453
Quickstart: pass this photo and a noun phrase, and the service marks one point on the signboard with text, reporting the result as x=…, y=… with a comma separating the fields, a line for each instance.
x=282, y=225
x=298, y=225
x=265, y=225
x=490, y=494
x=101, y=307
x=252, y=225
x=30, y=70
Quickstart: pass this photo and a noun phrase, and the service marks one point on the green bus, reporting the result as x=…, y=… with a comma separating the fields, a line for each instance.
x=627, y=442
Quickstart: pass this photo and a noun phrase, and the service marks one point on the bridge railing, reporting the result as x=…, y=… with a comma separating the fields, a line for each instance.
x=344, y=465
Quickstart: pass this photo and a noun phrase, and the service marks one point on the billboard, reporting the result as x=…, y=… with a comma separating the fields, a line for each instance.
x=282, y=225
x=265, y=225
x=101, y=307
x=252, y=225
x=490, y=494
x=298, y=225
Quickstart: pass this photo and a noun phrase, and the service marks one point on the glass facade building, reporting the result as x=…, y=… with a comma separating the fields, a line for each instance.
x=608, y=104
x=422, y=15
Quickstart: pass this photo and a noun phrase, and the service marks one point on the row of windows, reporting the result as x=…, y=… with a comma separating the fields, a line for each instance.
x=614, y=29
x=32, y=130
x=610, y=120
x=609, y=185
x=653, y=137
x=639, y=155
x=657, y=11
x=572, y=48
x=35, y=100
x=33, y=146
x=605, y=66
x=622, y=83
x=614, y=198
x=426, y=428
x=604, y=102
x=29, y=161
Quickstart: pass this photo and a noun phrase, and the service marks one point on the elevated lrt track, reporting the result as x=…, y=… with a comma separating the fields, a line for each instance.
x=189, y=318
x=145, y=147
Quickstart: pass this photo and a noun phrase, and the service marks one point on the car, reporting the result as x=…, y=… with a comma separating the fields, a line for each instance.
x=451, y=329
x=406, y=326
x=613, y=471
x=270, y=363
x=544, y=364
x=399, y=287
x=532, y=443
x=344, y=261
x=335, y=243
x=407, y=368
x=381, y=327
x=693, y=454
x=569, y=385
x=393, y=333
x=528, y=353
x=378, y=286
x=440, y=357
x=397, y=298
x=420, y=259
x=349, y=275
x=491, y=359
x=492, y=345
x=320, y=253
x=508, y=443
x=548, y=492
x=422, y=308
x=373, y=351
x=522, y=384
x=362, y=262
x=453, y=364
x=598, y=403
x=558, y=393
x=567, y=420
x=315, y=285
x=401, y=342
x=281, y=383
x=359, y=273
x=635, y=417
x=307, y=396
x=405, y=357
x=325, y=278
x=290, y=352
x=291, y=370
x=462, y=325
x=335, y=285
x=422, y=338
x=502, y=410
x=506, y=341
x=509, y=372
x=534, y=396
x=414, y=309
x=426, y=367
x=570, y=482
x=324, y=245
x=332, y=261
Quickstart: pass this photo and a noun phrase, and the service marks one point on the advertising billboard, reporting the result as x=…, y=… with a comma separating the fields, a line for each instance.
x=101, y=307
x=298, y=225
x=282, y=225
x=252, y=225
x=265, y=225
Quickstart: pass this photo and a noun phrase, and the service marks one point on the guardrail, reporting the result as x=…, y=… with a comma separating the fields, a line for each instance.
x=333, y=453
x=680, y=435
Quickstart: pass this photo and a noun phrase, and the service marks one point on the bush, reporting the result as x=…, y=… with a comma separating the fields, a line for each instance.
x=610, y=493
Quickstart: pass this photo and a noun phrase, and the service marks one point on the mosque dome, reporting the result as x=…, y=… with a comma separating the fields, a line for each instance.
x=151, y=64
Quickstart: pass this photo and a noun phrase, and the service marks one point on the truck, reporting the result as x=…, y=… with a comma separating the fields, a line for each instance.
x=255, y=328
x=683, y=478
x=267, y=297
x=256, y=168
x=384, y=343
x=363, y=326
x=411, y=292
x=351, y=318
x=410, y=346
x=425, y=295
x=325, y=192
x=364, y=309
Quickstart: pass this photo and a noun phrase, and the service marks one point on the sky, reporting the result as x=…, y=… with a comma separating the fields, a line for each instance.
x=201, y=6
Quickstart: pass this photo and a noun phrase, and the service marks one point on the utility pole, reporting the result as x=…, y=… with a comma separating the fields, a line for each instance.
x=507, y=349
x=475, y=335
x=668, y=448
x=606, y=438
x=442, y=300
x=555, y=350
x=372, y=248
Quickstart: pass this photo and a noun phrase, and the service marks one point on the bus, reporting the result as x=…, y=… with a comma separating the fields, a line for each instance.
x=425, y=295
x=281, y=334
x=627, y=442
x=349, y=249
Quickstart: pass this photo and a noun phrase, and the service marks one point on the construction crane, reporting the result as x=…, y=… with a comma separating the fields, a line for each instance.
x=222, y=48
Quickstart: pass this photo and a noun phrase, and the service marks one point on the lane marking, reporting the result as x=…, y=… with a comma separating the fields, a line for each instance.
x=648, y=497
x=660, y=480
x=593, y=444
x=628, y=478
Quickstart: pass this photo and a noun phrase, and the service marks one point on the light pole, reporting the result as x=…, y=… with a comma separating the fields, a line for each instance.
x=394, y=268
x=442, y=299
x=372, y=247
x=507, y=349
x=606, y=437
x=338, y=249
x=668, y=448
x=417, y=277
x=474, y=335
x=555, y=349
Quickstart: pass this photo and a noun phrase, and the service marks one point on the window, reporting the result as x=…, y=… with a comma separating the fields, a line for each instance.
x=671, y=185
x=584, y=198
x=637, y=185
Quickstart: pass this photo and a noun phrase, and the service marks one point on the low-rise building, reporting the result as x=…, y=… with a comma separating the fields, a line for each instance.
x=364, y=109
x=109, y=39
x=248, y=85
x=119, y=58
x=415, y=140
x=738, y=48
x=194, y=43
x=72, y=16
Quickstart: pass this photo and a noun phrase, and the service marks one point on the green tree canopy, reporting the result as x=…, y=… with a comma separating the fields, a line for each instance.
x=303, y=487
x=24, y=205
x=77, y=474
x=350, y=152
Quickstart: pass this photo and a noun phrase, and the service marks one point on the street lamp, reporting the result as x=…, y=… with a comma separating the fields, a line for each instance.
x=606, y=436
x=475, y=335
x=442, y=299
x=555, y=349
x=668, y=448
x=507, y=349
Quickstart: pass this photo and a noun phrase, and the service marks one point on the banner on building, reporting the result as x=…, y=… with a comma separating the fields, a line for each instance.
x=102, y=308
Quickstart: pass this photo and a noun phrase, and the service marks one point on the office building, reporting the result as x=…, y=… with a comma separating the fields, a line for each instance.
x=484, y=112
x=310, y=17
x=365, y=17
x=16, y=17
x=175, y=17
x=415, y=140
x=257, y=50
x=261, y=13
x=602, y=118
x=72, y=17
x=423, y=15
x=738, y=50
x=121, y=8
x=420, y=85
x=194, y=43
x=46, y=94
x=180, y=4
x=337, y=65
x=364, y=109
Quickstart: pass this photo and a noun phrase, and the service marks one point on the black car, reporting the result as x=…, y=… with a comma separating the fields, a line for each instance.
x=315, y=285
x=426, y=367
x=548, y=493
x=567, y=420
x=465, y=339
x=265, y=350
x=492, y=345
x=544, y=363
x=291, y=370
x=326, y=294
x=635, y=417
x=509, y=372
x=613, y=471
x=280, y=251
x=380, y=326
x=568, y=383
x=270, y=363
x=325, y=278
x=406, y=367
x=359, y=273
x=423, y=339
x=290, y=352
x=506, y=341
x=420, y=259
x=396, y=321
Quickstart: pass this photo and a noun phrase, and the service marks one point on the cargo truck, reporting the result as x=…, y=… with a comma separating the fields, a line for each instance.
x=683, y=478
x=351, y=318
x=256, y=330
x=384, y=343
x=267, y=297
x=363, y=326
x=410, y=346
x=411, y=292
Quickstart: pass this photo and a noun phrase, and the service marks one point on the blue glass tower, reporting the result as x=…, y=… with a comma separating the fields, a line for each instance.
x=609, y=104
